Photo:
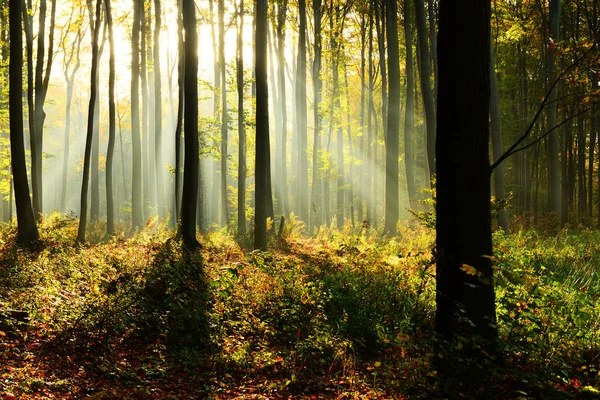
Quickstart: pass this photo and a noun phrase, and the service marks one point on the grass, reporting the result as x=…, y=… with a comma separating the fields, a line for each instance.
x=344, y=314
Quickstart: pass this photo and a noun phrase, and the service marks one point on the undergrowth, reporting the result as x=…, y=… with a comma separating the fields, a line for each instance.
x=344, y=313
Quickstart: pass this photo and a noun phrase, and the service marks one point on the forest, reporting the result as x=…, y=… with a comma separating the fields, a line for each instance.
x=268, y=199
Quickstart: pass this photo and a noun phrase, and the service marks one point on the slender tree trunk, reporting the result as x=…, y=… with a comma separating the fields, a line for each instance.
x=497, y=141
x=241, y=128
x=90, y=127
x=409, y=111
x=380, y=25
x=136, y=191
x=264, y=205
x=362, y=178
x=425, y=77
x=180, y=110
x=190, y=175
x=110, y=206
x=552, y=110
x=317, y=85
x=27, y=232
x=281, y=17
x=158, y=114
x=393, y=122
x=301, y=116
x=224, y=128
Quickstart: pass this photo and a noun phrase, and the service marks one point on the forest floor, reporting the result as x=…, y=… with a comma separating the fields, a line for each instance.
x=343, y=314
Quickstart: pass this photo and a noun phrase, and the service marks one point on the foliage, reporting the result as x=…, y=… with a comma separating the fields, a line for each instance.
x=339, y=314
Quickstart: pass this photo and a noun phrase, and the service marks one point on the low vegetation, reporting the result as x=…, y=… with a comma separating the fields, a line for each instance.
x=342, y=314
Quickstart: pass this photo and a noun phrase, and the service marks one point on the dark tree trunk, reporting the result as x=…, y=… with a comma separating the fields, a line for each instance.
x=281, y=17
x=190, y=173
x=90, y=127
x=362, y=178
x=136, y=188
x=224, y=128
x=27, y=232
x=317, y=85
x=497, y=142
x=110, y=206
x=393, y=121
x=241, y=222
x=180, y=110
x=263, y=197
x=158, y=159
x=301, y=117
x=425, y=77
x=409, y=111
x=552, y=111
x=463, y=225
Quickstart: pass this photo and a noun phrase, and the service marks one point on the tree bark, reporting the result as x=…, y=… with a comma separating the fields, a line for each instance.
x=27, y=232
x=263, y=197
x=409, y=111
x=241, y=222
x=425, y=77
x=110, y=206
x=158, y=159
x=190, y=174
x=552, y=111
x=464, y=290
x=393, y=121
x=224, y=128
x=136, y=191
x=90, y=127
x=301, y=115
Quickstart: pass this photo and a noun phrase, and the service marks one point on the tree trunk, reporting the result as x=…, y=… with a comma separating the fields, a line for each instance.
x=425, y=77
x=90, y=127
x=317, y=85
x=463, y=225
x=410, y=108
x=180, y=111
x=158, y=159
x=27, y=232
x=497, y=142
x=301, y=115
x=393, y=122
x=136, y=189
x=224, y=211
x=110, y=206
x=264, y=204
x=190, y=174
x=281, y=17
x=552, y=110
x=241, y=222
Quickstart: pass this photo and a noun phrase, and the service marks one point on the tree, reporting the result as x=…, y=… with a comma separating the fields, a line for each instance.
x=317, y=85
x=110, y=207
x=464, y=288
x=241, y=222
x=158, y=160
x=136, y=192
x=263, y=196
x=90, y=127
x=552, y=111
x=393, y=121
x=27, y=232
x=425, y=78
x=409, y=110
x=224, y=140
x=301, y=116
x=187, y=228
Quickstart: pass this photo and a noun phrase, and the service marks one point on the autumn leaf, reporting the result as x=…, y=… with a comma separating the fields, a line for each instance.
x=469, y=269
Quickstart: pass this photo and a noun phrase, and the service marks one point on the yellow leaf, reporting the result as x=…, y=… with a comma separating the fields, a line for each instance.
x=2, y=333
x=469, y=269
x=377, y=364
